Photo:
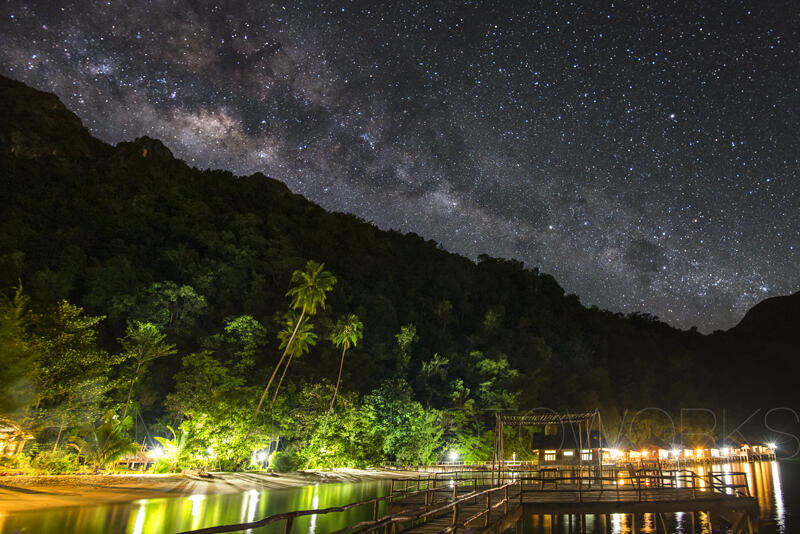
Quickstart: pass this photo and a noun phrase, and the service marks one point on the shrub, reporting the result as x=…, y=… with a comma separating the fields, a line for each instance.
x=281, y=462
x=55, y=463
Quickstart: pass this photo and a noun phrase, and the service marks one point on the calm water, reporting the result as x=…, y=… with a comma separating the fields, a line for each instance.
x=776, y=485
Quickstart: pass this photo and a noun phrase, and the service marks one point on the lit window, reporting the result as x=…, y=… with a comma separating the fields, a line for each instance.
x=549, y=456
x=586, y=455
x=568, y=453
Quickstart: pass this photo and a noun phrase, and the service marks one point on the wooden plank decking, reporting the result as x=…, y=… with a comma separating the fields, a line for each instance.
x=532, y=501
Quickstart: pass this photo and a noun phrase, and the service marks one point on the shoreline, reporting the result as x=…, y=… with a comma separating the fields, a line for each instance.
x=30, y=493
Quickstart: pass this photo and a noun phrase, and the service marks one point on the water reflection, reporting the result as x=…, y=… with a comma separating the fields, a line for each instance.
x=780, y=511
x=776, y=487
x=763, y=480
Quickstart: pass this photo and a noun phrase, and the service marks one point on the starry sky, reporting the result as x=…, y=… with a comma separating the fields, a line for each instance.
x=645, y=154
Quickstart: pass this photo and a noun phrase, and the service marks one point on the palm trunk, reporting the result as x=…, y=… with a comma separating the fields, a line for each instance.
x=130, y=390
x=335, y=391
x=278, y=387
x=58, y=437
x=271, y=378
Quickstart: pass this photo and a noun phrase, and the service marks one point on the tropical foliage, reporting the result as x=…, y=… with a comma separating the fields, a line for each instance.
x=145, y=287
x=105, y=442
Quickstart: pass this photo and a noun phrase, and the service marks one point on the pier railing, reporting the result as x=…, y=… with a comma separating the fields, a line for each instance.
x=430, y=487
x=587, y=480
x=450, y=492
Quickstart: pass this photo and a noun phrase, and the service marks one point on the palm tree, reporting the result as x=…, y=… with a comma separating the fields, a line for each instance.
x=309, y=290
x=301, y=339
x=346, y=331
x=177, y=449
x=106, y=442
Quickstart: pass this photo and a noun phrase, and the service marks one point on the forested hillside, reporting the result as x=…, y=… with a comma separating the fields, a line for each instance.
x=205, y=258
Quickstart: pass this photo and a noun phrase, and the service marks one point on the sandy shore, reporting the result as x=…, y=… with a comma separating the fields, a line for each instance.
x=22, y=493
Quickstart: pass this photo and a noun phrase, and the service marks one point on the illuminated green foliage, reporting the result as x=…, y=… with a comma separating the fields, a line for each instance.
x=217, y=407
x=177, y=451
x=17, y=357
x=144, y=342
x=105, y=442
x=72, y=372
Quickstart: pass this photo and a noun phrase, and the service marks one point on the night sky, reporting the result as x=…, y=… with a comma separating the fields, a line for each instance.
x=645, y=156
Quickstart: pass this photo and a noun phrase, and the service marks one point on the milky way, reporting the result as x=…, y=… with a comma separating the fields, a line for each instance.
x=646, y=157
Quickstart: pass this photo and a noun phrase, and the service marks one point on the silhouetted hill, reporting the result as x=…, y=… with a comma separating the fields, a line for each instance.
x=776, y=317
x=37, y=124
x=122, y=230
x=762, y=352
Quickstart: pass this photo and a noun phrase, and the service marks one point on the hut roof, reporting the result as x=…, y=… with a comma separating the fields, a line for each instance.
x=569, y=439
x=653, y=442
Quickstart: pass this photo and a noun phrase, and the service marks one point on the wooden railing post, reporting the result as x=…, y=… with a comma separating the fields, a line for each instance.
x=289, y=522
x=391, y=490
x=506, y=499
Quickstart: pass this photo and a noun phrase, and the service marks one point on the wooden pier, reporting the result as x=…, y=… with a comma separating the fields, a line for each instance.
x=492, y=502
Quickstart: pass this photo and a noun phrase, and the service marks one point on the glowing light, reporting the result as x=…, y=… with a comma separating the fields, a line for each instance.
x=312, y=527
x=676, y=452
x=196, y=501
x=780, y=509
x=616, y=453
x=453, y=456
x=771, y=446
x=158, y=452
x=138, y=528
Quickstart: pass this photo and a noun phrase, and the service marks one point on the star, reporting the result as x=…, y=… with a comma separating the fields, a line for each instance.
x=506, y=129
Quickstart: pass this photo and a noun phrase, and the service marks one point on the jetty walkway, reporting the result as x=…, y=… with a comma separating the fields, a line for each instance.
x=494, y=501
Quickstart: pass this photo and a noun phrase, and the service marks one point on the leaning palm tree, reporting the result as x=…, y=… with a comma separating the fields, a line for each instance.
x=309, y=290
x=346, y=331
x=296, y=342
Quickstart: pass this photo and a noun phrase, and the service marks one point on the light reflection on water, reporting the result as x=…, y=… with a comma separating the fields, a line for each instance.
x=775, y=485
x=765, y=480
x=178, y=514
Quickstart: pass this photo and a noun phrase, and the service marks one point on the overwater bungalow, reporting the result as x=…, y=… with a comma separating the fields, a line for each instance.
x=566, y=446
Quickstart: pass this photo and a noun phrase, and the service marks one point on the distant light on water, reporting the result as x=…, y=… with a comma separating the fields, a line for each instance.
x=780, y=511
